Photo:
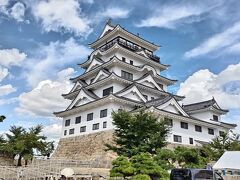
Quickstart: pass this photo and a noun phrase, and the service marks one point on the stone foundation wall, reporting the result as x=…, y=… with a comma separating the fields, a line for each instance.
x=89, y=147
x=5, y=161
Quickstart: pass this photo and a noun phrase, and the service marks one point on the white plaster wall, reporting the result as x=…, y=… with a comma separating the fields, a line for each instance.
x=207, y=115
x=191, y=133
x=116, y=87
x=96, y=119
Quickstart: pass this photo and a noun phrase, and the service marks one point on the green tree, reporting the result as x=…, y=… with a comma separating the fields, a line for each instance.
x=24, y=143
x=121, y=167
x=142, y=166
x=2, y=118
x=138, y=132
x=189, y=157
x=144, y=163
x=165, y=158
x=226, y=142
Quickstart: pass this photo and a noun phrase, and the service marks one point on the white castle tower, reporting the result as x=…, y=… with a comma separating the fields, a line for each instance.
x=122, y=72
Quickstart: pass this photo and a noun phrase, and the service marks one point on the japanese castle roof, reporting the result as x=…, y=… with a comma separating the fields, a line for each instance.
x=116, y=28
x=203, y=105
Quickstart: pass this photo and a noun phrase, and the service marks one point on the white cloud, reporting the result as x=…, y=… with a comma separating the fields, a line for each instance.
x=53, y=131
x=203, y=84
x=114, y=12
x=61, y=16
x=174, y=14
x=47, y=60
x=11, y=57
x=6, y=89
x=46, y=98
x=4, y=2
x=18, y=11
x=3, y=73
x=218, y=42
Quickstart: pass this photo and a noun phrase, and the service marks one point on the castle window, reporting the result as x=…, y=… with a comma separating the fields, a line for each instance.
x=184, y=125
x=108, y=91
x=103, y=113
x=83, y=129
x=123, y=59
x=210, y=131
x=215, y=118
x=65, y=132
x=105, y=124
x=67, y=122
x=198, y=128
x=71, y=131
x=177, y=138
x=95, y=126
x=131, y=62
x=190, y=140
x=90, y=117
x=126, y=75
x=78, y=120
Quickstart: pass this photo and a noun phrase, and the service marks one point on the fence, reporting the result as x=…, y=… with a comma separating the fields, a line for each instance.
x=43, y=169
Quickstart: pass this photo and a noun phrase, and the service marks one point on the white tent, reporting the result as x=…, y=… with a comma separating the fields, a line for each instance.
x=229, y=160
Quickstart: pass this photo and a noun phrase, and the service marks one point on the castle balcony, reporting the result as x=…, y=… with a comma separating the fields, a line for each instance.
x=130, y=46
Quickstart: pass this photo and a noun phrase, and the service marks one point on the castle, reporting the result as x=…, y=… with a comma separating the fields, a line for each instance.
x=122, y=72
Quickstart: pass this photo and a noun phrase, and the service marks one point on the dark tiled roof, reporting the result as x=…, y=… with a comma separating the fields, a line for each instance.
x=90, y=93
x=129, y=33
x=158, y=101
x=201, y=105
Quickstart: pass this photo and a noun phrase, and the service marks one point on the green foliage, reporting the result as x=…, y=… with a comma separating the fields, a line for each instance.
x=141, y=177
x=24, y=143
x=226, y=142
x=165, y=158
x=189, y=157
x=2, y=118
x=144, y=164
x=121, y=167
x=137, y=133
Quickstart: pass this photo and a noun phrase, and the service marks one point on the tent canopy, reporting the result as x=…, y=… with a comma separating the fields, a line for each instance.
x=229, y=160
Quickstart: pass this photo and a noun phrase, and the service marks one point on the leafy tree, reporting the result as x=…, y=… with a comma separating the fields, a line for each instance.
x=144, y=164
x=2, y=118
x=225, y=142
x=141, y=177
x=138, y=132
x=165, y=158
x=189, y=157
x=121, y=167
x=24, y=143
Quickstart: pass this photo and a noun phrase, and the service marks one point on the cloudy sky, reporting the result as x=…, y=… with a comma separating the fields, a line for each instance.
x=41, y=41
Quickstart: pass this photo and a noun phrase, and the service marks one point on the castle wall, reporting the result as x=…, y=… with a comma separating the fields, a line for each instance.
x=89, y=147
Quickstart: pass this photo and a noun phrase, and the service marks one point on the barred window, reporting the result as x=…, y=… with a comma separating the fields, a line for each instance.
x=177, y=138
x=126, y=75
x=78, y=120
x=103, y=113
x=95, y=126
x=67, y=122
x=198, y=128
x=83, y=129
x=184, y=125
x=90, y=117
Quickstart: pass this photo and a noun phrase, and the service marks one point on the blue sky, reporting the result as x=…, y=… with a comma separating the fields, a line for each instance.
x=41, y=43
